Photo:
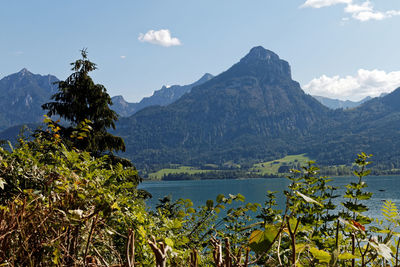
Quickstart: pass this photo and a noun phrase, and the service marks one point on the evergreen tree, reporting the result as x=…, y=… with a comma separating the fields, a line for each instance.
x=85, y=105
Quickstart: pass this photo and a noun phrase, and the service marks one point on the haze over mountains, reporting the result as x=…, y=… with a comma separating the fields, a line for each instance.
x=252, y=112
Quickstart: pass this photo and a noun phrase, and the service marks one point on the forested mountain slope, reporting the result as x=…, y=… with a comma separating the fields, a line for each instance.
x=254, y=110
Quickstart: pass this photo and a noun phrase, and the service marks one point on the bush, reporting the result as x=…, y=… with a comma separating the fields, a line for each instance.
x=62, y=206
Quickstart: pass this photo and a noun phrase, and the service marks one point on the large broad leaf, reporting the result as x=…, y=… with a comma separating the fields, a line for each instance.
x=260, y=240
x=383, y=250
x=320, y=255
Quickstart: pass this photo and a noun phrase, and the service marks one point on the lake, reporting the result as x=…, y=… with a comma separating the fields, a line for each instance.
x=382, y=187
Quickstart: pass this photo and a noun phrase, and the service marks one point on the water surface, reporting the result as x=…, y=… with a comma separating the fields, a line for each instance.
x=199, y=191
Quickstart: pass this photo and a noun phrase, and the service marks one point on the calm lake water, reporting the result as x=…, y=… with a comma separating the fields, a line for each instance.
x=382, y=187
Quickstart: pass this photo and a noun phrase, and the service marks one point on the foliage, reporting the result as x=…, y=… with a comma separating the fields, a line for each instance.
x=61, y=206
x=80, y=100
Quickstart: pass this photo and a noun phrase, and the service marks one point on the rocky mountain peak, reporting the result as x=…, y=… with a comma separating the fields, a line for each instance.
x=206, y=77
x=24, y=72
x=263, y=63
x=260, y=53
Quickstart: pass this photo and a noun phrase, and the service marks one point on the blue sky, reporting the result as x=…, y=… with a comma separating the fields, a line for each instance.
x=339, y=48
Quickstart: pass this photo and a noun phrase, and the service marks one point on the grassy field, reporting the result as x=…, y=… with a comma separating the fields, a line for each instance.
x=181, y=169
x=272, y=167
x=263, y=168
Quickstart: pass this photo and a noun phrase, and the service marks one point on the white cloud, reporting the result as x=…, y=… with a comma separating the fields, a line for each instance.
x=354, y=8
x=393, y=13
x=364, y=83
x=161, y=37
x=369, y=15
x=324, y=3
x=362, y=11
x=375, y=15
x=122, y=57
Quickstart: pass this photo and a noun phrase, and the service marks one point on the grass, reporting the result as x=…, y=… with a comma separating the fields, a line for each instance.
x=263, y=168
x=272, y=167
x=181, y=169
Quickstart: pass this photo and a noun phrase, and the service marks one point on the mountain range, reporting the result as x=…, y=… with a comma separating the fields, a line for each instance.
x=337, y=103
x=252, y=112
x=162, y=97
x=23, y=93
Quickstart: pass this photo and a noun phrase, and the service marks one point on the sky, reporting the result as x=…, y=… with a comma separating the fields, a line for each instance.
x=345, y=49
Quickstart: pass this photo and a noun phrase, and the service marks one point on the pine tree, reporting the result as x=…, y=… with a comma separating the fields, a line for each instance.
x=80, y=101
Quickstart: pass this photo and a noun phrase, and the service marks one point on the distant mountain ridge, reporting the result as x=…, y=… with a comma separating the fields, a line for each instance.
x=337, y=103
x=23, y=93
x=21, y=97
x=372, y=127
x=162, y=97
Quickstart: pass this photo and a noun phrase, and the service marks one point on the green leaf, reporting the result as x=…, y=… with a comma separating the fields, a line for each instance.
x=320, y=255
x=300, y=248
x=177, y=224
x=115, y=206
x=240, y=197
x=209, y=204
x=56, y=256
x=347, y=256
x=389, y=210
x=259, y=240
x=191, y=210
x=169, y=242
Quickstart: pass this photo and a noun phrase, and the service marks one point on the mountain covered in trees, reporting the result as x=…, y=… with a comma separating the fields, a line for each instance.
x=250, y=113
x=165, y=96
x=21, y=97
x=373, y=127
x=254, y=111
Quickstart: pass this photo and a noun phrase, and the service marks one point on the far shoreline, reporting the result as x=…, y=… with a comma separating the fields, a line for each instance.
x=252, y=178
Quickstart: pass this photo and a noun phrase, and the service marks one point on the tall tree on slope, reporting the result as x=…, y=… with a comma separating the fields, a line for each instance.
x=85, y=105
